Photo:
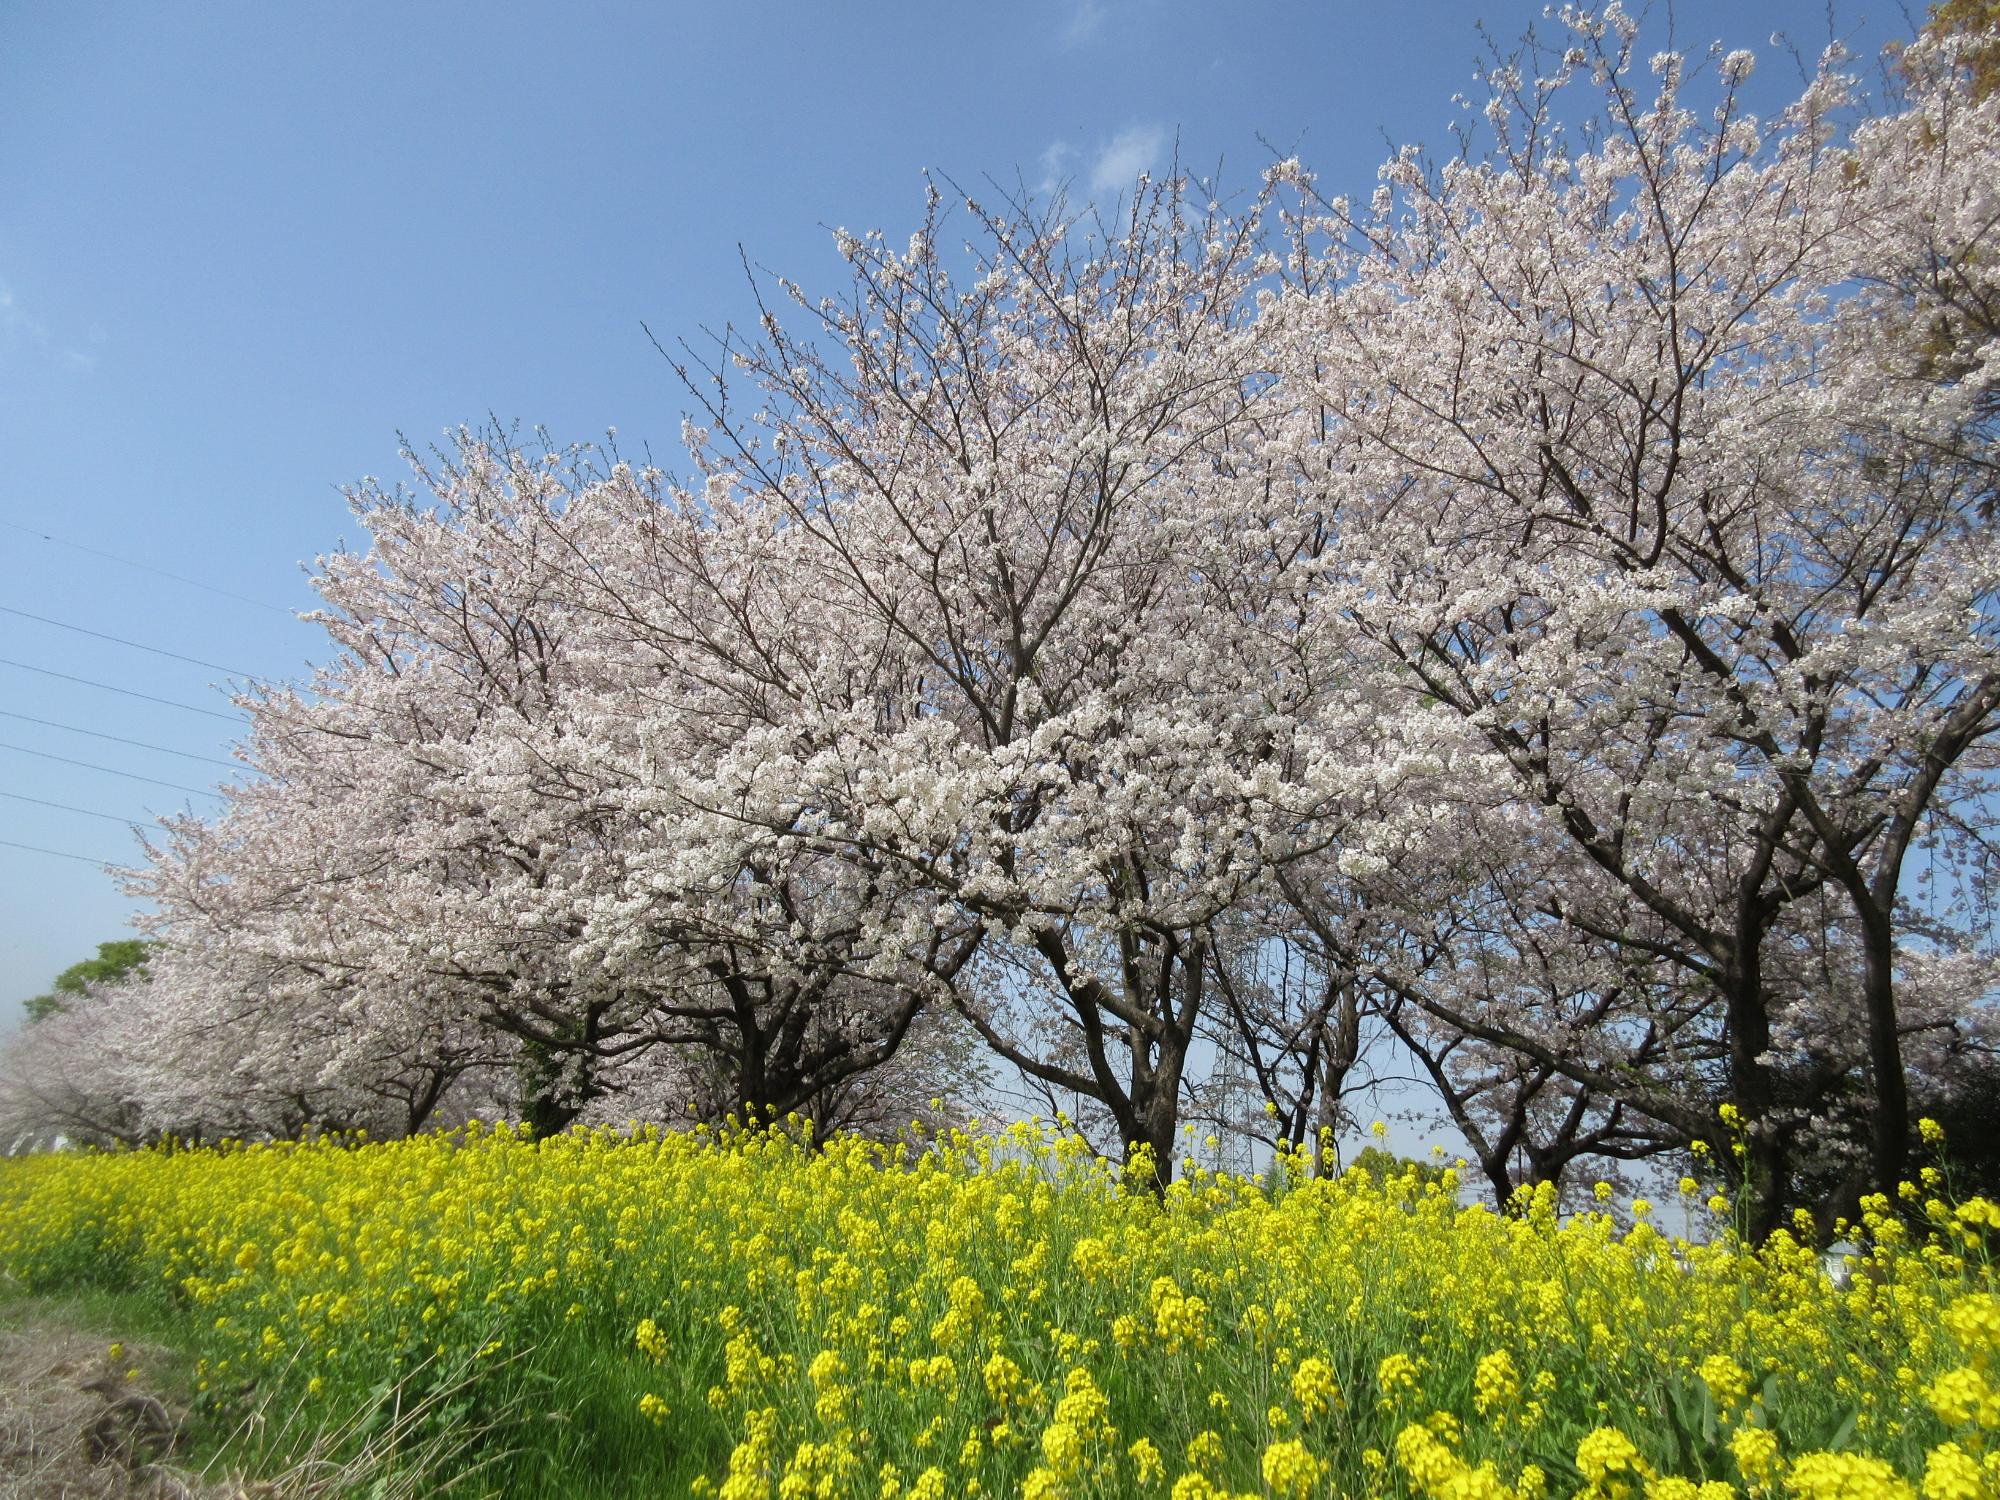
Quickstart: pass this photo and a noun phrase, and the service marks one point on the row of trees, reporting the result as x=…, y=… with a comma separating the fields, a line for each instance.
x=1540, y=620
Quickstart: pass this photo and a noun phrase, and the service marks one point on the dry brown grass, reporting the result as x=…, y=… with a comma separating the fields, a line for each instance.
x=74, y=1422
x=78, y=1424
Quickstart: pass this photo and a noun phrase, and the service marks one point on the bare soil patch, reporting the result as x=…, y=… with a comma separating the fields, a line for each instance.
x=83, y=1417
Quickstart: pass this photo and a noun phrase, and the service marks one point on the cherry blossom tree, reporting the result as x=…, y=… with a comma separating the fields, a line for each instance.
x=472, y=824
x=1662, y=458
x=1079, y=700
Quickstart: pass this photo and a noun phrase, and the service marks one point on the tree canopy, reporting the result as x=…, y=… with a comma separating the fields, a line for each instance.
x=114, y=961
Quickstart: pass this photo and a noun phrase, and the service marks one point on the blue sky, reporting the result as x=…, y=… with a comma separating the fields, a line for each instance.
x=242, y=246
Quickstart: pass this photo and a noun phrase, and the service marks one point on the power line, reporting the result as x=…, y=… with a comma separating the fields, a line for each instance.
x=120, y=640
x=58, y=853
x=108, y=770
x=65, y=807
x=128, y=692
x=119, y=739
x=195, y=583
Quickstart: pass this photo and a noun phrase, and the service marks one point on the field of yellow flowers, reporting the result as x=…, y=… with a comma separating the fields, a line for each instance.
x=744, y=1315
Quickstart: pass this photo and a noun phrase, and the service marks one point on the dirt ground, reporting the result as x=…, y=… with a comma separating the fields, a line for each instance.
x=81, y=1420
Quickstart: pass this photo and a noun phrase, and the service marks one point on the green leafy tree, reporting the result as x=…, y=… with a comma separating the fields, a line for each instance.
x=1385, y=1166
x=113, y=961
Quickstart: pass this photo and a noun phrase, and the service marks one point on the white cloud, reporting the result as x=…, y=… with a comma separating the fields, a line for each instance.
x=1058, y=165
x=1082, y=20
x=1108, y=171
x=17, y=324
x=1135, y=149
x=16, y=318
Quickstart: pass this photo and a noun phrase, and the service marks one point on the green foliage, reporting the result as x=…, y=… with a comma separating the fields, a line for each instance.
x=113, y=961
x=1387, y=1166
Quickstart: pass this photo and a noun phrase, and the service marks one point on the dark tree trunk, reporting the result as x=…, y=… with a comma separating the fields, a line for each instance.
x=1889, y=1121
x=1764, y=1154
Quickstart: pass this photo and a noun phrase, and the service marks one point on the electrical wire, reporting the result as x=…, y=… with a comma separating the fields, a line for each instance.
x=119, y=739
x=65, y=807
x=6, y=661
x=58, y=853
x=194, y=583
x=119, y=640
x=108, y=770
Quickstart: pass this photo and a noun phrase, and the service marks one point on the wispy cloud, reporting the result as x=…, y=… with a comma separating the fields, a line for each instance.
x=1109, y=169
x=17, y=320
x=1081, y=20
x=1135, y=149
x=1058, y=166
x=20, y=326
